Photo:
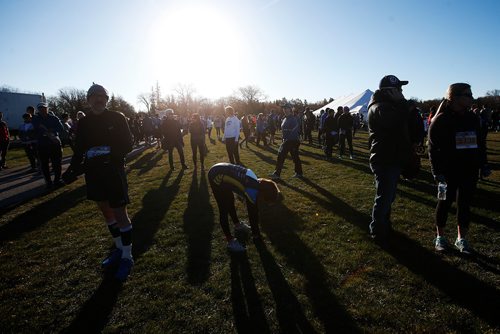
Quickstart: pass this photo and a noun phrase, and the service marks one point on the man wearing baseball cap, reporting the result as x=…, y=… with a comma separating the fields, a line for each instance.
x=101, y=144
x=390, y=149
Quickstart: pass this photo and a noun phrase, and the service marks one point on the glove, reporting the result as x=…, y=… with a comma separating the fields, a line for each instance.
x=439, y=178
x=485, y=171
x=69, y=176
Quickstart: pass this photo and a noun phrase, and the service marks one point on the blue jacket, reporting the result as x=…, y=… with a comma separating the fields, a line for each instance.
x=47, y=130
x=290, y=127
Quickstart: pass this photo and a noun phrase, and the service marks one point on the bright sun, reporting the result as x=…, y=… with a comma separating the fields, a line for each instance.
x=199, y=46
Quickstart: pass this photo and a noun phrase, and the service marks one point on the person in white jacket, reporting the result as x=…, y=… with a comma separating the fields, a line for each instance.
x=231, y=135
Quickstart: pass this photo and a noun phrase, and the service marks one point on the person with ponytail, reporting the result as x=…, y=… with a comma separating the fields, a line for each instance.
x=457, y=152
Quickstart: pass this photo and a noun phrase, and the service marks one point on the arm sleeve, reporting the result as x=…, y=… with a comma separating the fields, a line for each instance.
x=435, y=150
x=123, y=143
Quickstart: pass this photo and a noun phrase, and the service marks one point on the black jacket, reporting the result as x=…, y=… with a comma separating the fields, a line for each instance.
x=109, y=129
x=456, y=147
x=171, y=131
x=388, y=128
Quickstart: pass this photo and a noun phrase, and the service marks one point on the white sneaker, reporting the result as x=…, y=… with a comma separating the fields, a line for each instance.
x=235, y=247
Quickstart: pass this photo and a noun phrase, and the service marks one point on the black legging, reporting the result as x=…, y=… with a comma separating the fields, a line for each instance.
x=225, y=201
x=347, y=135
x=459, y=189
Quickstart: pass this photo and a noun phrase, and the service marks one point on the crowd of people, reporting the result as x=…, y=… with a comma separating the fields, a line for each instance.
x=101, y=140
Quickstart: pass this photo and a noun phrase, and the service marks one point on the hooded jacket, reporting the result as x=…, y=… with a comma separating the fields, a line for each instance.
x=388, y=130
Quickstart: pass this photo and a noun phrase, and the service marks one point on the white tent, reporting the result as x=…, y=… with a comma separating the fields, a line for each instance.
x=357, y=103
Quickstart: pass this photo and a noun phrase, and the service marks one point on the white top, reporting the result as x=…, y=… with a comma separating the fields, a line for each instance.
x=232, y=127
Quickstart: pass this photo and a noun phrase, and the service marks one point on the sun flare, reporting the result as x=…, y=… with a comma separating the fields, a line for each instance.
x=200, y=46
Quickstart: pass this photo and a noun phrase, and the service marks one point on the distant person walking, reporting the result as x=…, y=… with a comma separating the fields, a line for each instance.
x=345, y=125
x=291, y=142
x=4, y=141
x=28, y=139
x=172, y=136
x=457, y=152
x=197, y=131
x=390, y=149
x=47, y=128
x=231, y=135
x=102, y=142
x=245, y=127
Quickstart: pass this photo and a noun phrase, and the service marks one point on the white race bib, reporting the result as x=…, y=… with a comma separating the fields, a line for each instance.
x=466, y=139
x=98, y=151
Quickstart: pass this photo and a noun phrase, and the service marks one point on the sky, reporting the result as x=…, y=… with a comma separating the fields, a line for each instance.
x=287, y=48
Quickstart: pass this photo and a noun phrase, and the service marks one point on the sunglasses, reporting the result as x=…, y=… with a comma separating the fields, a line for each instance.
x=466, y=94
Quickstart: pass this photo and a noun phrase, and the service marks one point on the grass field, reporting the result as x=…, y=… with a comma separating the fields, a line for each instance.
x=315, y=271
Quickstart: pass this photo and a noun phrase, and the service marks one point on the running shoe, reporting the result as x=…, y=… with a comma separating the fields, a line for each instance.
x=112, y=259
x=463, y=246
x=274, y=176
x=440, y=244
x=234, y=246
x=124, y=269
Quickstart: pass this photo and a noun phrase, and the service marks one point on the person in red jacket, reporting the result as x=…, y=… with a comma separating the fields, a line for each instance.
x=4, y=141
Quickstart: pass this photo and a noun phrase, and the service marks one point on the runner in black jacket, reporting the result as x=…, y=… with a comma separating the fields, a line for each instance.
x=101, y=144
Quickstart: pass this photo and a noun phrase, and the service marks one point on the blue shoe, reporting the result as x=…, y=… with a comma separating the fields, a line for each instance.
x=124, y=269
x=112, y=259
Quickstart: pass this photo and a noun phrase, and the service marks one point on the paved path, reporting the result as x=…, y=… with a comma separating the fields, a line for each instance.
x=18, y=185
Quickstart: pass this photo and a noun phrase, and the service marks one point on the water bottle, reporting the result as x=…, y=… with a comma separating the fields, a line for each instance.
x=442, y=191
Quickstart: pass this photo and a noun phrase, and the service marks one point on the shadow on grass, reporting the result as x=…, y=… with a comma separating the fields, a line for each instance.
x=247, y=308
x=285, y=240
x=143, y=161
x=289, y=312
x=41, y=214
x=198, y=227
x=155, y=205
x=464, y=289
x=147, y=161
x=94, y=314
x=263, y=157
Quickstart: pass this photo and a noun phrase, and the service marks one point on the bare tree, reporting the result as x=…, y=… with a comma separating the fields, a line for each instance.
x=185, y=97
x=251, y=94
x=144, y=99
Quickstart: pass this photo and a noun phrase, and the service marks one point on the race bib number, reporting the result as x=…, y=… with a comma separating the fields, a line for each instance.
x=465, y=140
x=98, y=151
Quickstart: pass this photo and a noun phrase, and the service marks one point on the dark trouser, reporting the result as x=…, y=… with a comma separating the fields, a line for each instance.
x=209, y=132
x=225, y=201
x=170, y=148
x=347, y=135
x=232, y=150
x=291, y=146
x=329, y=142
x=459, y=189
x=31, y=154
x=261, y=136
x=320, y=134
x=308, y=134
x=217, y=130
x=4, y=146
x=198, y=144
x=54, y=154
x=386, y=181
x=246, y=134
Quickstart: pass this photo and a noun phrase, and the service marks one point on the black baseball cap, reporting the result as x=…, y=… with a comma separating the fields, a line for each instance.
x=391, y=81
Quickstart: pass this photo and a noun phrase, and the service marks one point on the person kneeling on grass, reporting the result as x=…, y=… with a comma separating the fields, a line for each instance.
x=226, y=179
